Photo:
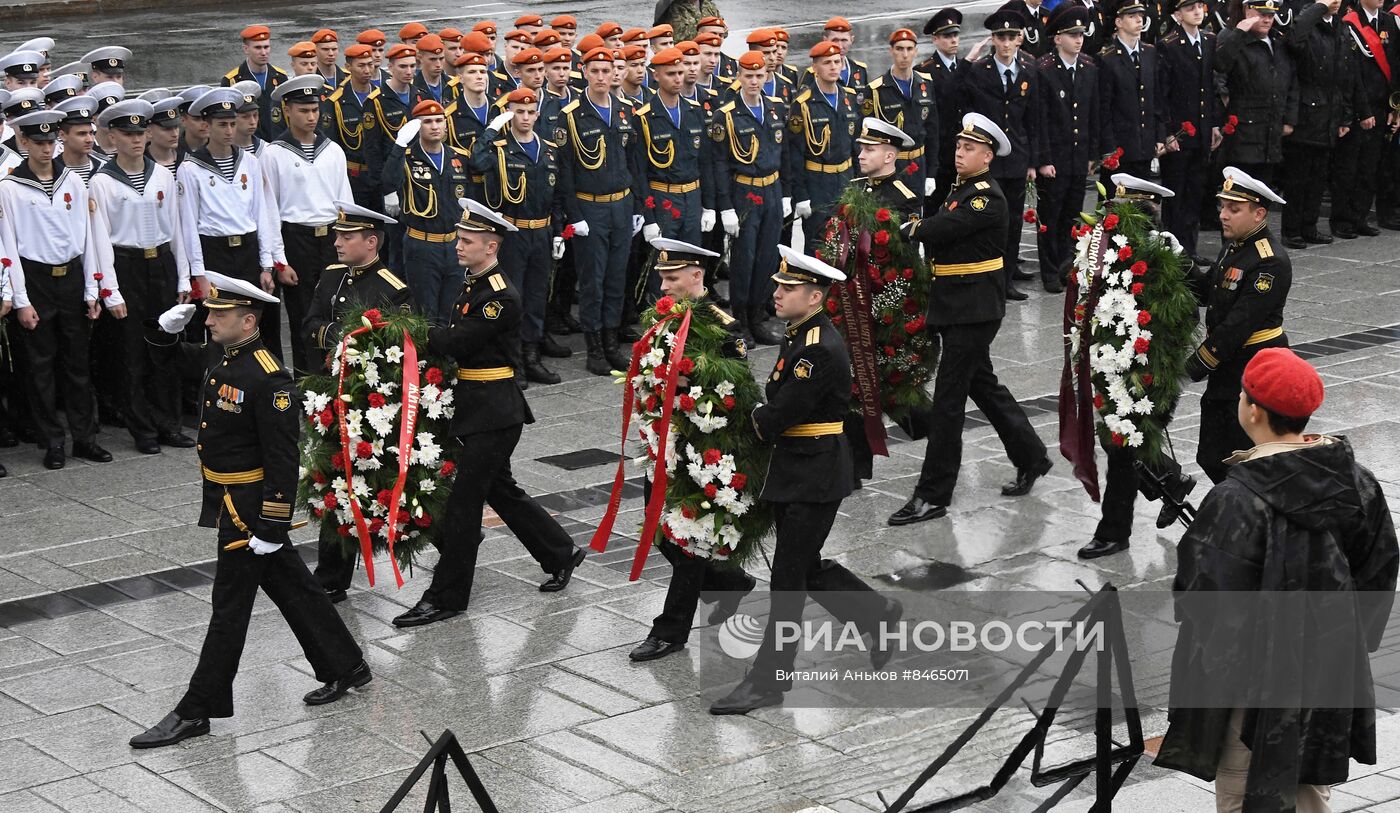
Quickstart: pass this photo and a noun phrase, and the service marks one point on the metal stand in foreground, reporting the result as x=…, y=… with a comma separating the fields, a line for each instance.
x=1102, y=608
x=445, y=748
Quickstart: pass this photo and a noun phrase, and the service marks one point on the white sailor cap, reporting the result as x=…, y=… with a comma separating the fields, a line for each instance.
x=23, y=100
x=4, y=98
x=41, y=44
x=190, y=94
x=305, y=88
x=1131, y=187
x=979, y=128
x=110, y=59
x=22, y=63
x=248, y=87
x=41, y=125
x=1240, y=186
x=166, y=112
x=353, y=217
x=107, y=94
x=226, y=292
x=78, y=69
x=131, y=116
x=155, y=95
x=673, y=255
x=476, y=217
x=77, y=110
x=217, y=103
x=64, y=87
x=877, y=131
x=797, y=268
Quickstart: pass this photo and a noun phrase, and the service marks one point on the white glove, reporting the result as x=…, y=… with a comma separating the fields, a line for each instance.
x=580, y=228
x=787, y=207
x=930, y=185
x=175, y=319
x=499, y=123
x=408, y=132
x=803, y=209
x=262, y=548
x=707, y=220
x=730, y=219
x=637, y=221
x=558, y=252
x=391, y=204
x=650, y=232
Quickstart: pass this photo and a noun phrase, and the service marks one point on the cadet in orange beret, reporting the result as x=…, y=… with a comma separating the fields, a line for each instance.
x=823, y=122
x=431, y=80
x=853, y=74
x=468, y=116
x=411, y=32
x=660, y=38
x=636, y=77
x=376, y=40
x=257, y=66
x=452, y=38
x=303, y=55
x=531, y=24
x=351, y=124
x=780, y=51
x=327, y=44
x=611, y=33
x=567, y=26
x=904, y=97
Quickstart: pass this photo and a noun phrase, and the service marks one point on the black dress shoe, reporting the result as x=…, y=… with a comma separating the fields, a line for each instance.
x=1367, y=230
x=1014, y=294
x=423, y=612
x=561, y=577
x=1180, y=488
x=917, y=510
x=1344, y=232
x=7, y=438
x=1025, y=478
x=336, y=689
x=3, y=471
x=653, y=648
x=880, y=654
x=1317, y=238
x=1021, y=275
x=1390, y=223
x=727, y=602
x=54, y=458
x=170, y=731
x=175, y=440
x=746, y=697
x=91, y=451
x=553, y=349
x=1294, y=242
x=1102, y=547
x=147, y=446
x=1053, y=286
x=336, y=595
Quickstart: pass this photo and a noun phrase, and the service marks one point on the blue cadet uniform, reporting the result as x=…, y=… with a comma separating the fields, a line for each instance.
x=909, y=104
x=823, y=142
x=269, y=115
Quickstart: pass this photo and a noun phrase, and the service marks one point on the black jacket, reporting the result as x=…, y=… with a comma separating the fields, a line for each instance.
x=893, y=193
x=484, y=335
x=1263, y=96
x=1243, y=294
x=945, y=96
x=1373, y=91
x=1326, y=71
x=916, y=114
x=969, y=229
x=1013, y=109
x=1187, y=80
x=341, y=290
x=1069, y=113
x=1131, y=113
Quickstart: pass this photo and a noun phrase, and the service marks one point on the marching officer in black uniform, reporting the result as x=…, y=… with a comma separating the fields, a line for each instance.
x=822, y=122
x=1186, y=57
x=483, y=336
x=681, y=267
x=1244, y=294
x=904, y=97
x=1070, y=115
x=257, y=67
x=1132, y=118
x=248, y=441
x=1325, y=68
x=964, y=240
x=1004, y=87
x=1256, y=67
x=809, y=393
x=943, y=68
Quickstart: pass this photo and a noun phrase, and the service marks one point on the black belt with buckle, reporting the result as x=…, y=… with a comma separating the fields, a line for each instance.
x=232, y=240
x=46, y=270
x=133, y=253
x=311, y=231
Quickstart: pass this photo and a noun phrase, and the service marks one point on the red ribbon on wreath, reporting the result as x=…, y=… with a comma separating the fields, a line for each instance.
x=658, y=479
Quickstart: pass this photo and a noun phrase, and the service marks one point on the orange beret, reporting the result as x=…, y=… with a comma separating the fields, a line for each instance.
x=476, y=42
x=688, y=48
x=358, y=51
x=903, y=35
x=663, y=30
x=373, y=37
x=753, y=61
x=546, y=38
x=608, y=29
x=324, y=35
x=414, y=29
x=529, y=19
x=529, y=56
x=634, y=35
x=256, y=33
x=430, y=44
x=450, y=35
x=400, y=50
x=823, y=49
x=522, y=96
x=709, y=38
x=838, y=24
x=588, y=42
x=781, y=34
x=427, y=107
x=709, y=21
x=598, y=55
x=762, y=37
x=618, y=55
x=486, y=27
x=632, y=53
x=666, y=57
x=301, y=50
x=557, y=55
x=470, y=58
x=564, y=21
x=518, y=35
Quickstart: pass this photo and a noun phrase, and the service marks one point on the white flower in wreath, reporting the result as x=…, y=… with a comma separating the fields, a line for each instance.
x=353, y=427
x=394, y=354
x=724, y=389
x=427, y=486
x=1120, y=240
x=428, y=452
x=371, y=374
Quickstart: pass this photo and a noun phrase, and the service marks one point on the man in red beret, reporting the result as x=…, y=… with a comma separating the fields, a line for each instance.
x=257, y=66
x=327, y=44
x=1296, y=513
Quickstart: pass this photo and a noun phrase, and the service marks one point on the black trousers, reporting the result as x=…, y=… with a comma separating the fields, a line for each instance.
x=334, y=567
x=241, y=261
x=57, y=353
x=1355, y=167
x=15, y=378
x=483, y=477
x=106, y=358
x=1120, y=491
x=328, y=645
x=1221, y=436
x=151, y=384
x=308, y=254
x=1303, y=185
x=1014, y=189
x=799, y=571
x=965, y=370
x=1187, y=173
x=1060, y=199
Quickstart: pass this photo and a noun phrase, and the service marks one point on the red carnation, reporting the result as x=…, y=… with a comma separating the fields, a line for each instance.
x=1139, y=268
x=325, y=417
x=712, y=456
x=882, y=215
x=889, y=276
x=402, y=516
x=433, y=375
x=447, y=469
x=687, y=403
x=738, y=481
x=1188, y=128
x=831, y=306
x=5, y=262
x=1137, y=288
x=1043, y=229
x=889, y=351
x=1111, y=162
x=676, y=213
x=330, y=502
x=105, y=292
x=912, y=327
x=343, y=530
x=383, y=497
x=887, y=318
x=650, y=202
x=374, y=316
x=424, y=521
x=687, y=512
x=363, y=449
x=665, y=304
x=1110, y=223
x=710, y=491
x=686, y=366
x=376, y=400
x=666, y=204
x=729, y=402
x=1125, y=253
x=376, y=525
x=1144, y=317
x=1147, y=379
x=912, y=169
x=911, y=307
x=651, y=403
x=1141, y=344
x=1098, y=400
x=907, y=273
x=338, y=460
x=1117, y=439
x=882, y=238
x=318, y=478
x=568, y=232
x=318, y=512
x=1028, y=215
x=97, y=276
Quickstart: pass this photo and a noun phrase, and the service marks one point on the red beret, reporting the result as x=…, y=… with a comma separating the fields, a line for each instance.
x=709, y=38
x=663, y=30
x=588, y=42
x=761, y=37
x=598, y=55
x=667, y=56
x=518, y=35
x=903, y=35
x=706, y=22
x=752, y=61
x=688, y=48
x=255, y=33
x=324, y=35
x=427, y=107
x=528, y=56
x=486, y=27
x=632, y=53
x=412, y=30
x=558, y=54
x=781, y=34
x=430, y=44
x=546, y=38
x=529, y=19
x=563, y=21
x=824, y=49
x=400, y=50
x=450, y=34
x=1279, y=380
x=608, y=29
x=476, y=42
x=522, y=96
x=634, y=35
x=372, y=37
x=301, y=50
x=838, y=24
x=358, y=51
x=470, y=58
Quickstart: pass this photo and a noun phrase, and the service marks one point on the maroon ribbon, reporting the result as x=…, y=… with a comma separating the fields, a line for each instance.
x=1078, y=441
x=854, y=300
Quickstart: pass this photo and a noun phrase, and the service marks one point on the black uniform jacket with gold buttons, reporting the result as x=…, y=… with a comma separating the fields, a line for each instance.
x=734, y=346
x=1187, y=80
x=1069, y=105
x=249, y=426
x=1243, y=294
x=964, y=241
x=343, y=289
x=1014, y=109
x=483, y=336
x=351, y=124
x=892, y=193
x=1133, y=118
x=809, y=394
x=750, y=146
